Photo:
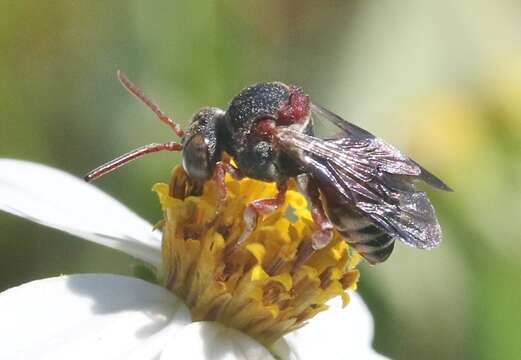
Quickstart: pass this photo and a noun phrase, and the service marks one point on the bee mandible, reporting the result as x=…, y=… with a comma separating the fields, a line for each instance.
x=356, y=183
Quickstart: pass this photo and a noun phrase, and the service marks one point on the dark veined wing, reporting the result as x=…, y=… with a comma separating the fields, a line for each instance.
x=372, y=176
x=320, y=114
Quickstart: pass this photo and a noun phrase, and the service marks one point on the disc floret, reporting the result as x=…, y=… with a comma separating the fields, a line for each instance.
x=258, y=287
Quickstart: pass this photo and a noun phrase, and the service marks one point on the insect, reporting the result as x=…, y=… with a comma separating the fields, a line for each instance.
x=356, y=183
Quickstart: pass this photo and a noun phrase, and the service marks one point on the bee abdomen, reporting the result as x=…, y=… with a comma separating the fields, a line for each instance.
x=373, y=243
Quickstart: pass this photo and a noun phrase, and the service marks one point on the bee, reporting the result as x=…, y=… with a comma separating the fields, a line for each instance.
x=356, y=183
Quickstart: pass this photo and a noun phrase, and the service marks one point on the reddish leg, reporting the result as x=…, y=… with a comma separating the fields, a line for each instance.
x=261, y=207
x=134, y=154
x=221, y=168
x=324, y=235
x=321, y=237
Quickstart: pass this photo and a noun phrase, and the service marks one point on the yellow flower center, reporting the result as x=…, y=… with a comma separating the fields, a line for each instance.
x=259, y=287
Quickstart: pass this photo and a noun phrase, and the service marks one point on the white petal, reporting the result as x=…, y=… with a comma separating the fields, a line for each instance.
x=90, y=316
x=54, y=198
x=211, y=340
x=336, y=333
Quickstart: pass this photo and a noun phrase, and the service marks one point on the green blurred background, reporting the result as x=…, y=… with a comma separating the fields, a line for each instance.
x=440, y=79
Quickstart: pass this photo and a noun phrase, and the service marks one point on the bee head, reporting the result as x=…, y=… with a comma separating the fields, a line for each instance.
x=201, y=148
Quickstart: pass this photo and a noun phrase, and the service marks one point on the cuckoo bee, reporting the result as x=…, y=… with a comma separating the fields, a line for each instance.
x=357, y=184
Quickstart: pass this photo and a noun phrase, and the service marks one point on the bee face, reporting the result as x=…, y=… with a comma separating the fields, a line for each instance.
x=201, y=145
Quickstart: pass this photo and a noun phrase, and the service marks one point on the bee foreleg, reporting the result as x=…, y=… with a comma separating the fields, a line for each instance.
x=261, y=207
x=221, y=168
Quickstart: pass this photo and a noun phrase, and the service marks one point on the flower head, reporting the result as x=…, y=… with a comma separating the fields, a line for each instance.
x=93, y=316
x=258, y=287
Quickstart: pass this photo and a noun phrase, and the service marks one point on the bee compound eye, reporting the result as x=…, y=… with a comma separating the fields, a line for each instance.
x=196, y=158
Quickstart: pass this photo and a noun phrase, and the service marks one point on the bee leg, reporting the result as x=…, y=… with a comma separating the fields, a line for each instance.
x=261, y=207
x=324, y=234
x=321, y=237
x=221, y=168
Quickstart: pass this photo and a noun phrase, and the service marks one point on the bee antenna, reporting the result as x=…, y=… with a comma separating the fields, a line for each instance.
x=138, y=93
x=126, y=158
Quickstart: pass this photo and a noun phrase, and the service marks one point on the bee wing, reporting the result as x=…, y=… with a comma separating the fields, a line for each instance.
x=351, y=130
x=320, y=113
x=371, y=175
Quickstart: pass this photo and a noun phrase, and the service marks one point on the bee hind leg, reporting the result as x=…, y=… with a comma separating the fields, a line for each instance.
x=324, y=234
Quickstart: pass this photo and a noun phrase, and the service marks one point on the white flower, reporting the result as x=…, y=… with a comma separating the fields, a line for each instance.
x=103, y=316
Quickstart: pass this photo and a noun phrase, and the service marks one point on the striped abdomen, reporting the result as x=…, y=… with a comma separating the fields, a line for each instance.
x=373, y=243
